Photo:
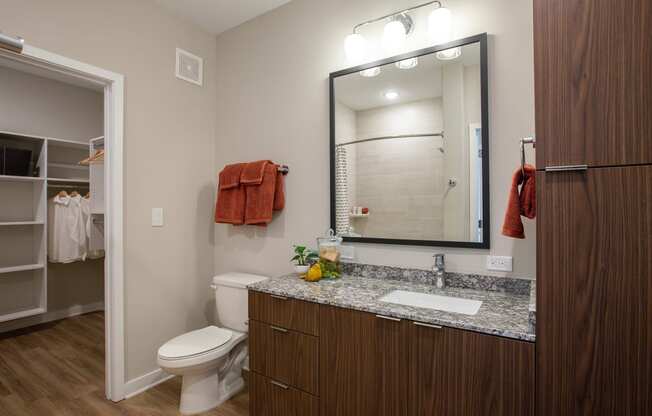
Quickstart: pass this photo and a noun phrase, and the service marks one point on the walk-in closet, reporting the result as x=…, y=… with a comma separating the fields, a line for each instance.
x=51, y=204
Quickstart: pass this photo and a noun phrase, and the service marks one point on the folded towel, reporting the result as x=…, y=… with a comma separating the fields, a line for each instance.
x=230, y=206
x=279, y=193
x=259, y=196
x=523, y=203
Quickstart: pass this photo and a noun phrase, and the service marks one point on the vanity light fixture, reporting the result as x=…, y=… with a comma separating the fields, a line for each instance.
x=408, y=63
x=399, y=25
x=371, y=72
x=391, y=95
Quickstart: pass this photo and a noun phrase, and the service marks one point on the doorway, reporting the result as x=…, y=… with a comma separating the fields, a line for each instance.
x=45, y=64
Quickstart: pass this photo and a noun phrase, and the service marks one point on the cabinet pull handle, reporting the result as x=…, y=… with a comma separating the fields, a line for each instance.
x=281, y=385
x=278, y=329
x=566, y=168
x=279, y=297
x=389, y=318
x=427, y=325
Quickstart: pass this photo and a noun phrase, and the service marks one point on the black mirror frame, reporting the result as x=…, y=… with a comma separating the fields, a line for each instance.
x=486, y=201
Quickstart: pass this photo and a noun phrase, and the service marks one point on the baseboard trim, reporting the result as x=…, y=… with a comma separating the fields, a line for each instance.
x=51, y=316
x=145, y=382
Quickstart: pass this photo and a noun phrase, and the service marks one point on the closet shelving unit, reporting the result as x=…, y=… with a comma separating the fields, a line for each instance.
x=23, y=220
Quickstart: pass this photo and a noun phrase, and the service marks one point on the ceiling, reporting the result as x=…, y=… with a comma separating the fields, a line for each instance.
x=217, y=16
x=424, y=81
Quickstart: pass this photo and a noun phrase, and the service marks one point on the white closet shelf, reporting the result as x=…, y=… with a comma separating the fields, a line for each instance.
x=68, y=180
x=14, y=223
x=10, y=178
x=68, y=166
x=68, y=143
x=22, y=268
x=22, y=314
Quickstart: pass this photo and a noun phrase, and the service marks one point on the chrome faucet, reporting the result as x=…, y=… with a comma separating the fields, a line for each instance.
x=439, y=269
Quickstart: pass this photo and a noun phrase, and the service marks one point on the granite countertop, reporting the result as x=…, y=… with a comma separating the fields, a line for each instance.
x=502, y=313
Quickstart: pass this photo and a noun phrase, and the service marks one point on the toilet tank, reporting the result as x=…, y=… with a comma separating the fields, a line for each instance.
x=231, y=299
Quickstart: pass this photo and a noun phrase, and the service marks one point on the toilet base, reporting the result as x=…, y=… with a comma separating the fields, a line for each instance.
x=199, y=392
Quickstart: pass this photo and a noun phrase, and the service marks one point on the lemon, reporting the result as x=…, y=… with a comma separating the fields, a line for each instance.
x=314, y=274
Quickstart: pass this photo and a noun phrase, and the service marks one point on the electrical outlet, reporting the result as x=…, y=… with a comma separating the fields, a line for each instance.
x=157, y=217
x=499, y=263
x=347, y=252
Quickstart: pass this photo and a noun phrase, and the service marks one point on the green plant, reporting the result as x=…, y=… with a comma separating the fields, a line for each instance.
x=303, y=256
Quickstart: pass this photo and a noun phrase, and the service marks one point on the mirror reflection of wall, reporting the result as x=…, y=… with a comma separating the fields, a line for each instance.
x=408, y=149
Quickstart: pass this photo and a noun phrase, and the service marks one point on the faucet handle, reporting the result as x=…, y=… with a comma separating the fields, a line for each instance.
x=439, y=259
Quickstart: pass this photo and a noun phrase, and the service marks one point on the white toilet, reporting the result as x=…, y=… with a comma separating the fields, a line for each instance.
x=210, y=359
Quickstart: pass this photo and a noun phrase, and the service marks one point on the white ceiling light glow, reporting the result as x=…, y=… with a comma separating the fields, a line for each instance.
x=391, y=95
x=398, y=27
x=371, y=72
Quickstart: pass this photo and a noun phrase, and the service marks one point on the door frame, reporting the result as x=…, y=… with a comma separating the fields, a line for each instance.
x=113, y=86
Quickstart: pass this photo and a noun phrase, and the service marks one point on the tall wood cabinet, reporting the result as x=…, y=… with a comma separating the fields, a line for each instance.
x=593, y=76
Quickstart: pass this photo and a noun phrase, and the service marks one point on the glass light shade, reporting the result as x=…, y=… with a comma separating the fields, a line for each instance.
x=371, y=72
x=355, y=47
x=394, y=37
x=440, y=25
x=449, y=54
x=407, y=63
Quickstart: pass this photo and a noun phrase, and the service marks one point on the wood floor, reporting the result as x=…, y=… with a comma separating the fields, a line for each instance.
x=58, y=369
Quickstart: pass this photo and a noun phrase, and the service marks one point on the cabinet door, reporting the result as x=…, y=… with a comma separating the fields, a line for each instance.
x=594, y=292
x=271, y=398
x=459, y=373
x=362, y=369
x=283, y=355
x=593, y=82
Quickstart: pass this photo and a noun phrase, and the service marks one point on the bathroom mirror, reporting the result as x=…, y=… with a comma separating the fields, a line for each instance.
x=410, y=148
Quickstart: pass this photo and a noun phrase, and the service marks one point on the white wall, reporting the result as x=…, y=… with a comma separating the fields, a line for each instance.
x=33, y=105
x=273, y=103
x=169, y=154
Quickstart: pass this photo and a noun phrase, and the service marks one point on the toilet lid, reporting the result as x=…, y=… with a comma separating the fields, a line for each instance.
x=195, y=343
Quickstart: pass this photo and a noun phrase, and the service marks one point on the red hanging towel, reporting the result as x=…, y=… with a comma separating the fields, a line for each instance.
x=523, y=203
x=230, y=206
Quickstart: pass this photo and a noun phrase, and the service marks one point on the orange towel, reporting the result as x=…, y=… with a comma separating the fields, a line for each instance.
x=523, y=203
x=260, y=186
x=230, y=206
x=279, y=193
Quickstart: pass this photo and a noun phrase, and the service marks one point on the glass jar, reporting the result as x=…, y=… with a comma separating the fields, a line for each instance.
x=329, y=254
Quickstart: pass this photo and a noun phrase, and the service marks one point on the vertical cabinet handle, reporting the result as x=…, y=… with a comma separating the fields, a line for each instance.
x=281, y=385
x=427, y=325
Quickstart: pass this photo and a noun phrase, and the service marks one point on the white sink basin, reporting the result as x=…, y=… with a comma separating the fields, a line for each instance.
x=426, y=300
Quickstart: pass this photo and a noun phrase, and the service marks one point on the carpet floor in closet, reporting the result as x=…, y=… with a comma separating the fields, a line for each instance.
x=58, y=369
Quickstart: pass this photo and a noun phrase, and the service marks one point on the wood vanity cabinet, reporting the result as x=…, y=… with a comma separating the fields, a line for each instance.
x=360, y=364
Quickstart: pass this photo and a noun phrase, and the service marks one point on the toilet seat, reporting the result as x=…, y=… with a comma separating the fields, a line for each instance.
x=195, y=343
x=208, y=357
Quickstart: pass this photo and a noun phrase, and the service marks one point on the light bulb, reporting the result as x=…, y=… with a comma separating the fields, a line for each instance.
x=391, y=95
x=440, y=25
x=449, y=54
x=355, y=47
x=407, y=63
x=371, y=72
x=394, y=36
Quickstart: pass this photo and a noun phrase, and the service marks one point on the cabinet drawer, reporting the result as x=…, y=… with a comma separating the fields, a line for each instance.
x=285, y=312
x=286, y=356
x=270, y=398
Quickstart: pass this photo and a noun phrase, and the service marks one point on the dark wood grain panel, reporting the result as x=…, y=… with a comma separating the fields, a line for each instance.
x=362, y=365
x=593, y=82
x=269, y=399
x=286, y=356
x=455, y=372
x=594, y=287
x=284, y=312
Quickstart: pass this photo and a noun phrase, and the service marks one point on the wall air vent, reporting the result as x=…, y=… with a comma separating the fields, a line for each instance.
x=189, y=67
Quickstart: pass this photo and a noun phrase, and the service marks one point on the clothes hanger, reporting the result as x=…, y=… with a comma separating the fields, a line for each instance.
x=87, y=196
x=62, y=194
x=74, y=194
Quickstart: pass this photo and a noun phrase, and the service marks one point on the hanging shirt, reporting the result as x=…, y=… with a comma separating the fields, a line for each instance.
x=66, y=230
x=88, y=218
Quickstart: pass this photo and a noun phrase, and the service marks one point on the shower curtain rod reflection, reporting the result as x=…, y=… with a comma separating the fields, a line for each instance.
x=402, y=136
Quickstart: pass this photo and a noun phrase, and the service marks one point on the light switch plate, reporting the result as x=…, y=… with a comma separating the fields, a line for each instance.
x=499, y=263
x=157, y=217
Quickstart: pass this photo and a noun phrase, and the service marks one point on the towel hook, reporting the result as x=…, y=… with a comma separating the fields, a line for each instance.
x=524, y=141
